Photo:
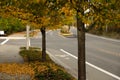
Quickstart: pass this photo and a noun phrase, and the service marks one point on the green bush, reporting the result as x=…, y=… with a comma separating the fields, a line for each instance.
x=65, y=29
x=50, y=74
x=11, y=25
x=33, y=54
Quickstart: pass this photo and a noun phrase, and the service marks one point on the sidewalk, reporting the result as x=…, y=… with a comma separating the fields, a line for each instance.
x=19, y=34
x=10, y=53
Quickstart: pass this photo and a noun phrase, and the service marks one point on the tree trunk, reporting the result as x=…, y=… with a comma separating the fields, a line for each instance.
x=81, y=49
x=43, y=32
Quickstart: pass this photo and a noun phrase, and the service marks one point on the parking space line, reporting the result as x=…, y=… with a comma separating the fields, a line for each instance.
x=5, y=41
x=12, y=37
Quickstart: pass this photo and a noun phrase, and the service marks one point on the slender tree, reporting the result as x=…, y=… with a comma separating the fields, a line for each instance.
x=46, y=16
x=80, y=6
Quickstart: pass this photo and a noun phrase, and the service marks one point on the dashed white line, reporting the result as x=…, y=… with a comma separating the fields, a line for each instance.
x=102, y=70
x=4, y=41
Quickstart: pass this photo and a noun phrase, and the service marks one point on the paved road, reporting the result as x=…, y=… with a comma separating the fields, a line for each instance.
x=1, y=40
x=102, y=55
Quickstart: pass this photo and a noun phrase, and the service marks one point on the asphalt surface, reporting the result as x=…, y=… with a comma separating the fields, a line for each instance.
x=102, y=52
x=1, y=40
x=10, y=54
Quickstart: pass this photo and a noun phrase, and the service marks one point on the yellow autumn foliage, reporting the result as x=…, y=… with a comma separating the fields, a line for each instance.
x=19, y=69
x=67, y=10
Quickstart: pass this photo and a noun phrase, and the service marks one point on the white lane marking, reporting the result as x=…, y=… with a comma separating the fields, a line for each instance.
x=102, y=70
x=68, y=53
x=12, y=37
x=115, y=40
x=8, y=38
x=4, y=41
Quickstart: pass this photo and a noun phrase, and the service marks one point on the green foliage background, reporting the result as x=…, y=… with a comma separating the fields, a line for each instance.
x=11, y=25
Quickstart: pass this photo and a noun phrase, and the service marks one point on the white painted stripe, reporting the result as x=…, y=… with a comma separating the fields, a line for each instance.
x=102, y=70
x=4, y=41
x=12, y=37
x=68, y=53
x=115, y=40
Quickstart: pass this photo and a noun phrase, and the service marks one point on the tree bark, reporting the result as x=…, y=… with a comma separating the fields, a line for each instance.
x=43, y=32
x=81, y=49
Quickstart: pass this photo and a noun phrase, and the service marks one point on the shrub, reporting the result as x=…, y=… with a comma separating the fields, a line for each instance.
x=11, y=25
x=33, y=54
x=65, y=29
x=50, y=71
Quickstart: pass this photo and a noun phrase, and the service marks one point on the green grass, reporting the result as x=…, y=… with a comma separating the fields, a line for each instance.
x=47, y=70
